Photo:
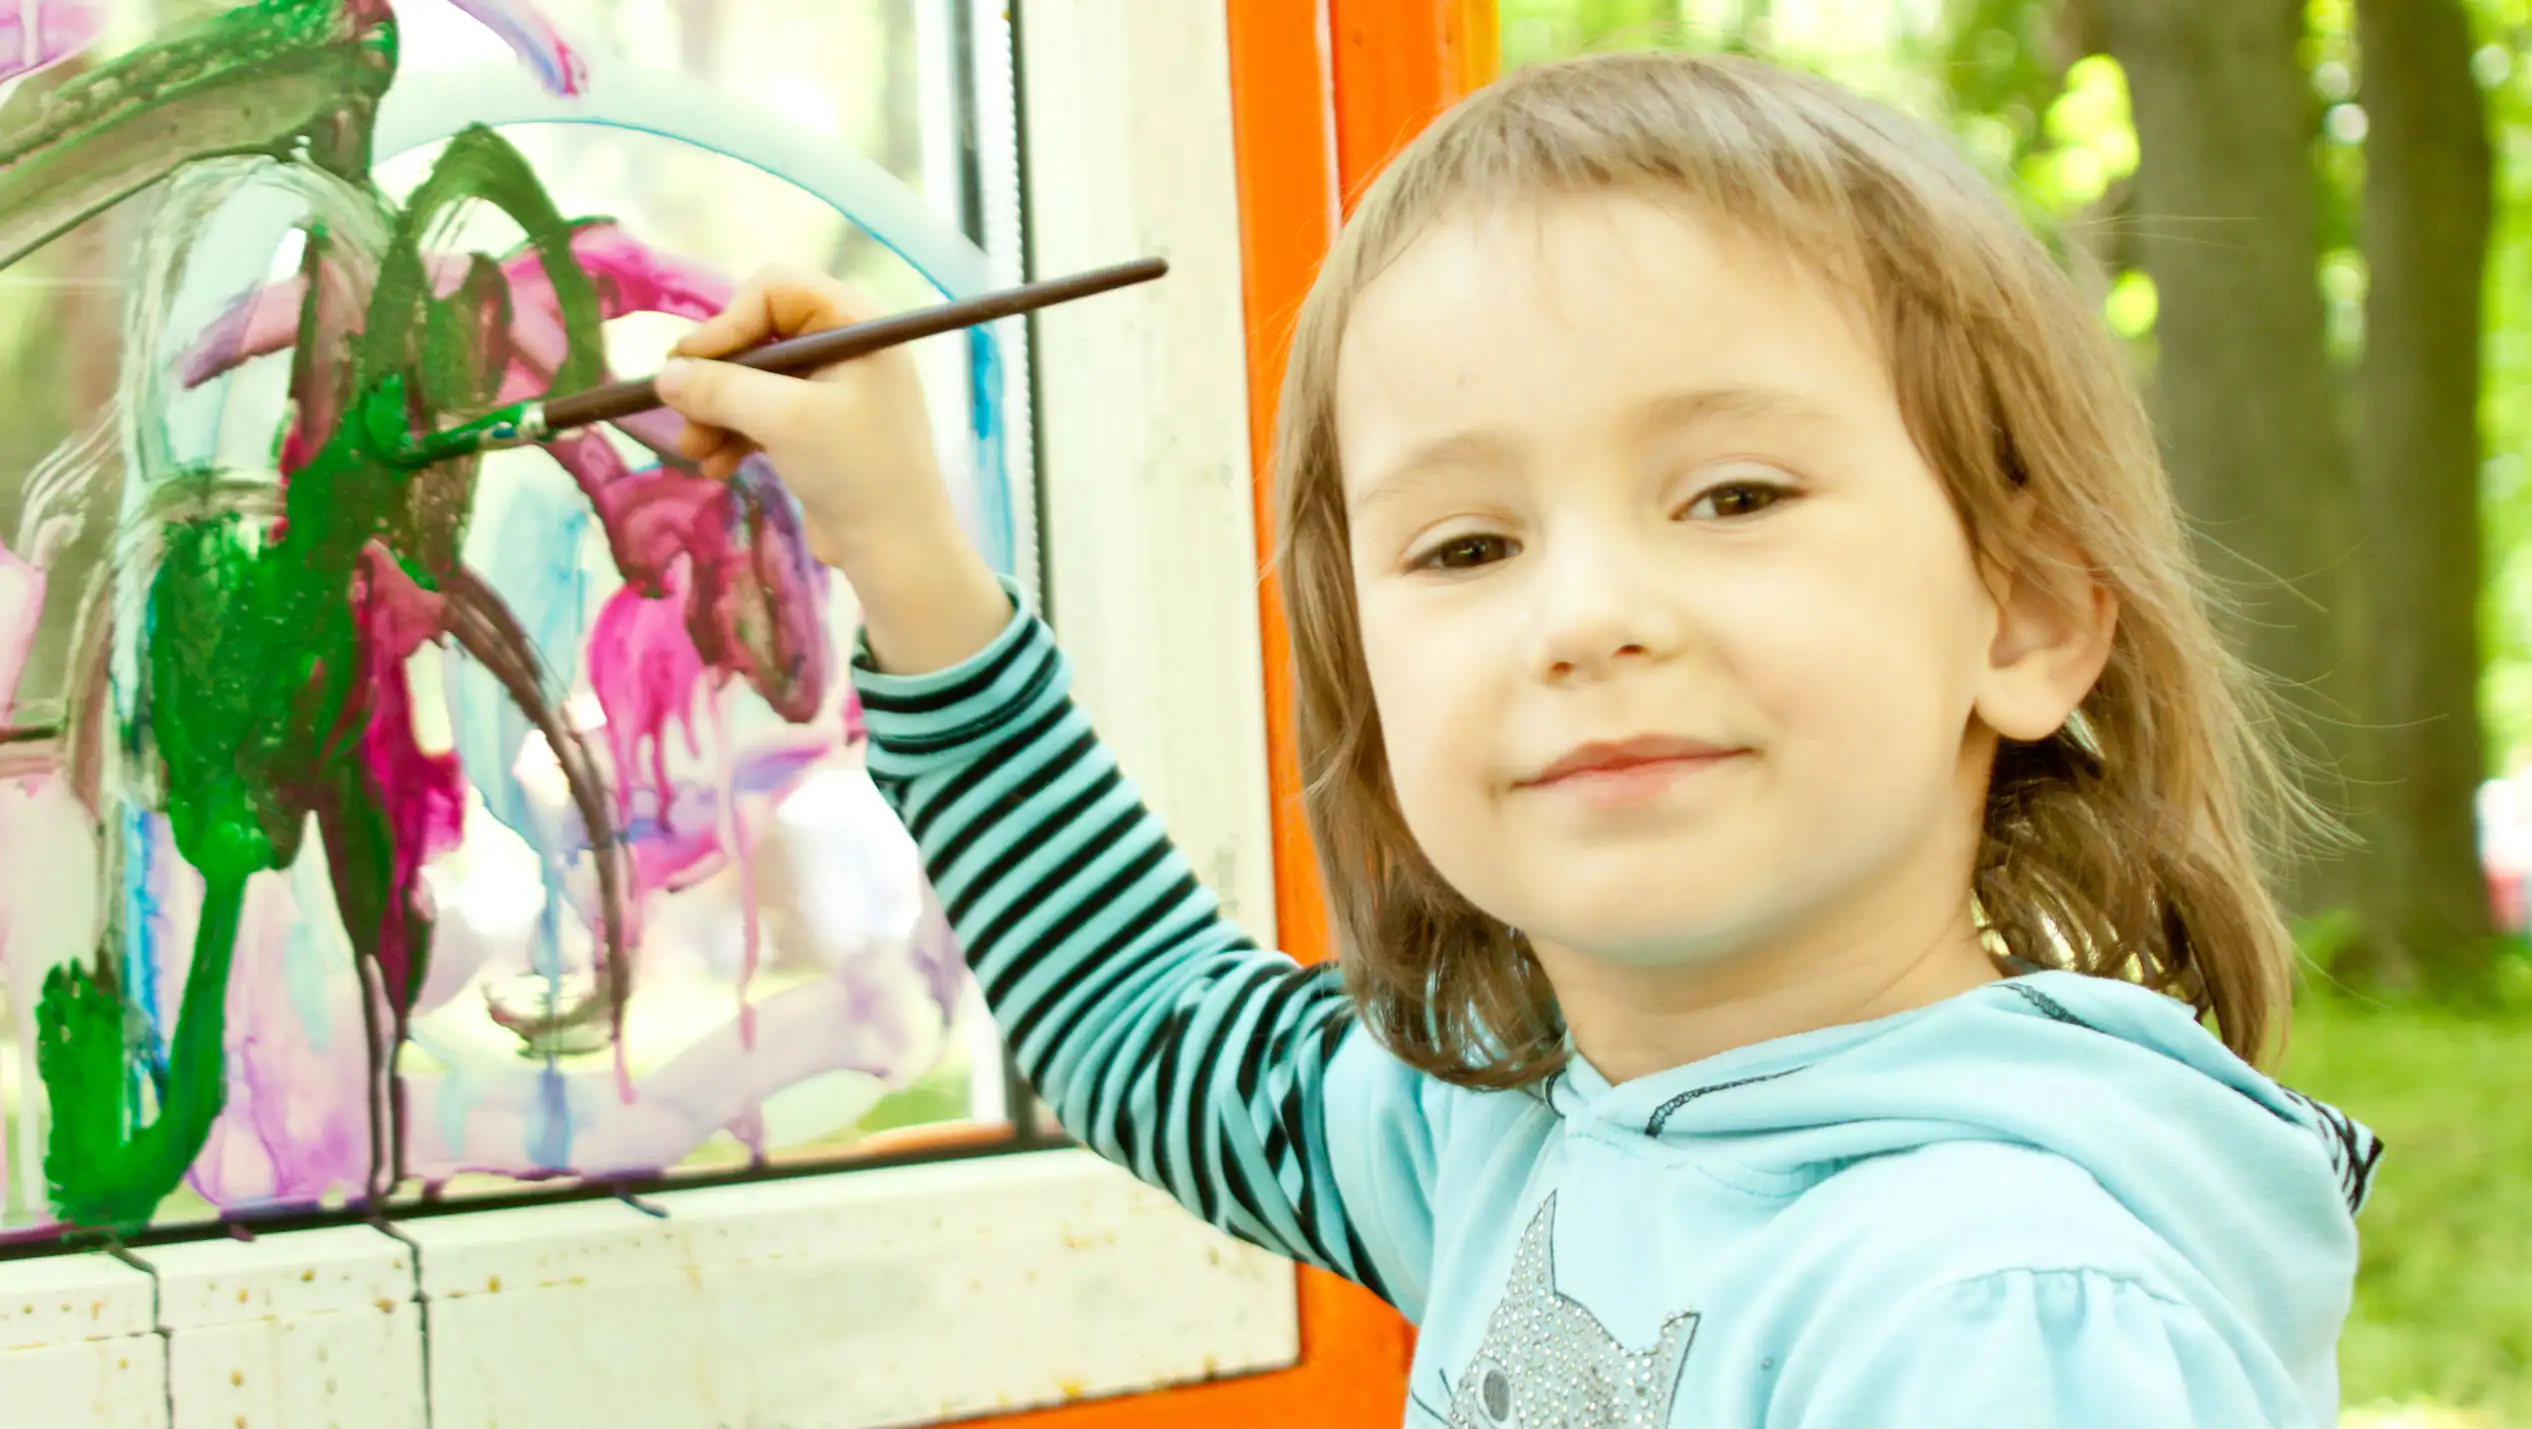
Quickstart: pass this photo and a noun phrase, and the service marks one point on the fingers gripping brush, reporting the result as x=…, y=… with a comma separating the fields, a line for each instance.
x=526, y=423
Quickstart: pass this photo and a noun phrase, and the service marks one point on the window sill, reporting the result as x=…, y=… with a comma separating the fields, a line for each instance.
x=911, y=1295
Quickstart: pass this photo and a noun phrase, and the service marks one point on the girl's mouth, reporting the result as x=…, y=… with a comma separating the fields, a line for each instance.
x=1609, y=772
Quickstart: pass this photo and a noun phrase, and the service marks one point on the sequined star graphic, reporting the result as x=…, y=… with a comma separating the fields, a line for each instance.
x=1547, y=1362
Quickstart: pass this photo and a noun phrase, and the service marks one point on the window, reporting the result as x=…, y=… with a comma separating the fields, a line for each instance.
x=788, y=998
x=1147, y=562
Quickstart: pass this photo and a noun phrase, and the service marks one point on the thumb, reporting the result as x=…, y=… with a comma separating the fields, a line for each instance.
x=756, y=405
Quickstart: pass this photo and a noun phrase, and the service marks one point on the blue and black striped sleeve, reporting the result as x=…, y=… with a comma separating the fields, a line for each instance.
x=1232, y=1078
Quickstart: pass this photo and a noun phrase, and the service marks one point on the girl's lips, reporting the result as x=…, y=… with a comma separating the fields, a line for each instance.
x=1609, y=774
x=1605, y=757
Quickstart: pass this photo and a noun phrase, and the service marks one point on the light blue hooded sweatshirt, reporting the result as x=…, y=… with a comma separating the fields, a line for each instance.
x=2053, y=1200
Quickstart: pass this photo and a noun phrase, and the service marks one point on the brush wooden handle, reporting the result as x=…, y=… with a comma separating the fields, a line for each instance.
x=822, y=349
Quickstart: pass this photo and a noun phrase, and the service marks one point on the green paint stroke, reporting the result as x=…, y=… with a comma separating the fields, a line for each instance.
x=262, y=679
x=278, y=77
x=245, y=654
x=102, y=1171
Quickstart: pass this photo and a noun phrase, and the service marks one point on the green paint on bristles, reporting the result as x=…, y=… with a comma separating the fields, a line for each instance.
x=457, y=441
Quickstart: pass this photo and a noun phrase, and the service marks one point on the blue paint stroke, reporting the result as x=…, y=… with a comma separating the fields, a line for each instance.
x=527, y=554
x=141, y=913
x=549, y=1121
x=306, y=956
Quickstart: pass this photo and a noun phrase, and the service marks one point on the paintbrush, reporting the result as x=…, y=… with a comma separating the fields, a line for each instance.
x=525, y=423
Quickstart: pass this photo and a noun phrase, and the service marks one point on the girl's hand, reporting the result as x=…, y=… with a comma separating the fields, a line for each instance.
x=853, y=444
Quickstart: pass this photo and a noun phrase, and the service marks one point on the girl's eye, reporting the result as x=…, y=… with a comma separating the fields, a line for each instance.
x=1463, y=553
x=1735, y=498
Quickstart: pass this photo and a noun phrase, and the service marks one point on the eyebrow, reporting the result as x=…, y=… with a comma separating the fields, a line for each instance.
x=1477, y=446
x=1702, y=404
x=1485, y=447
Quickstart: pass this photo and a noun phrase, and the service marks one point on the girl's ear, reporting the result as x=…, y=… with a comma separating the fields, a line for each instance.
x=2054, y=625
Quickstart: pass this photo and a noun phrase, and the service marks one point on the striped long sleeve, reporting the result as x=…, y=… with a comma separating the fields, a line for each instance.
x=1163, y=1038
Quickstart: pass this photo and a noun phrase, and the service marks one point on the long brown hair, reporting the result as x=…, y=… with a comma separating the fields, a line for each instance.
x=2129, y=846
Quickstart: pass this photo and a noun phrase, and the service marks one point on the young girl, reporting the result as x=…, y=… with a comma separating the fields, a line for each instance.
x=1787, y=809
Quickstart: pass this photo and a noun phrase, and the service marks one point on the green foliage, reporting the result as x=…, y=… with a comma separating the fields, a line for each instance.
x=2002, y=77
x=1535, y=30
x=2091, y=142
x=2049, y=125
x=2443, y=1313
x=2505, y=408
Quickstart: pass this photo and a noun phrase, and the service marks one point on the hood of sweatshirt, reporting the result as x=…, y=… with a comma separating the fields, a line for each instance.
x=2255, y=1184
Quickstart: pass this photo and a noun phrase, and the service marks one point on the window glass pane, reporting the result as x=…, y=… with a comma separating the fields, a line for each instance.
x=516, y=807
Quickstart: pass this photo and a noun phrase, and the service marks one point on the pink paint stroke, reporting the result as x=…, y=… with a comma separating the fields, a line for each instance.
x=38, y=34
x=756, y=604
x=422, y=795
x=646, y=674
x=757, y=599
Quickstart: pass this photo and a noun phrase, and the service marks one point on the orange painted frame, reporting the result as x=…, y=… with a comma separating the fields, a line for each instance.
x=1398, y=63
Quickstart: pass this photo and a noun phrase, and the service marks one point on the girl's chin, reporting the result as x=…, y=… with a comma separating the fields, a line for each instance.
x=1679, y=943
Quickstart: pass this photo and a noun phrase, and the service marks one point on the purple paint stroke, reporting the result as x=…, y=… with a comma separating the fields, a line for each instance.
x=533, y=38
x=838, y=1024
x=937, y=956
x=756, y=604
x=673, y=854
x=850, y=1022
x=766, y=594
x=38, y=34
x=680, y=828
x=734, y=837
x=629, y=275
x=297, y=1122
x=647, y=515
x=21, y=605
x=647, y=676
x=265, y=321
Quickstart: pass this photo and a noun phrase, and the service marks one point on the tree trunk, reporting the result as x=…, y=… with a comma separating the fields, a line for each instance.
x=2243, y=389
x=2417, y=455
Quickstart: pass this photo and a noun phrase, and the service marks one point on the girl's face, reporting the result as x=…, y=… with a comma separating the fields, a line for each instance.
x=1677, y=642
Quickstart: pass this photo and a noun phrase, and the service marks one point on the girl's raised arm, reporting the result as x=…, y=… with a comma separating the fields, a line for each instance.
x=1230, y=1077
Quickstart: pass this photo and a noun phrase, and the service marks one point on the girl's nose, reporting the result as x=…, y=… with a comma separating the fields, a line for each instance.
x=1601, y=606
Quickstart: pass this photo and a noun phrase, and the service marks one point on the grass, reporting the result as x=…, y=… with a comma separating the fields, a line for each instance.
x=2441, y=1334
